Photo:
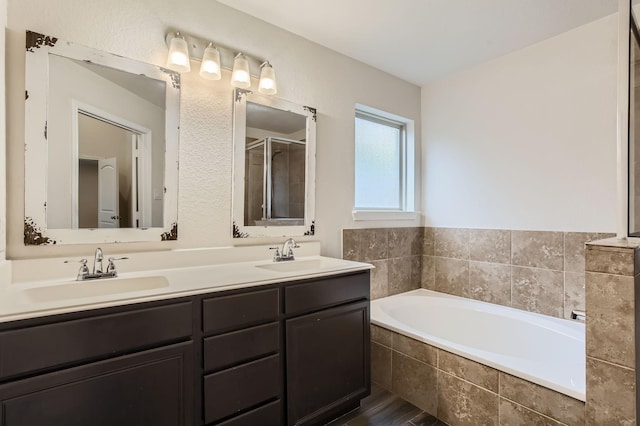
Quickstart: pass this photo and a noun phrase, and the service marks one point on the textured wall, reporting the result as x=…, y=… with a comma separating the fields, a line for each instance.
x=307, y=74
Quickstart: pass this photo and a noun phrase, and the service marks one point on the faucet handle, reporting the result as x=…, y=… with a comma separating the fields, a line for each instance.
x=276, y=255
x=84, y=269
x=111, y=267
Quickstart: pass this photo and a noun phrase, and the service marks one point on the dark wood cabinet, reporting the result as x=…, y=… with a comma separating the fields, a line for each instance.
x=285, y=353
x=154, y=387
x=327, y=363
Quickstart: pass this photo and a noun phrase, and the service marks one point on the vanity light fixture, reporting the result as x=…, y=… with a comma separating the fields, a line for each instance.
x=213, y=57
x=267, y=83
x=240, y=76
x=178, y=59
x=210, y=68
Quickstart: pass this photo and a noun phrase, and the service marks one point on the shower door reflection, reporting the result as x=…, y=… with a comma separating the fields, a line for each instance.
x=274, y=182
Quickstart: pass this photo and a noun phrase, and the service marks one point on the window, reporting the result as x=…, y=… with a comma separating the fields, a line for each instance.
x=384, y=169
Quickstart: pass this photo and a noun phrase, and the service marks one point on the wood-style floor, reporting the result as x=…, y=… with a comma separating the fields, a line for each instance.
x=383, y=408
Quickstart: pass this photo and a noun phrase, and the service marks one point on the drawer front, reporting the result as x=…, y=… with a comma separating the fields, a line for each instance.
x=325, y=292
x=267, y=415
x=228, y=313
x=237, y=347
x=238, y=388
x=64, y=343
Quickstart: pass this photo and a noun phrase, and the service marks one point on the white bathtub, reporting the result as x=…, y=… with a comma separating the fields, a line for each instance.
x=542, y=349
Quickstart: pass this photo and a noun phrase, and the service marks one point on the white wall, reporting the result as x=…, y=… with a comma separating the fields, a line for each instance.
x=526, y=141
x=307, y=74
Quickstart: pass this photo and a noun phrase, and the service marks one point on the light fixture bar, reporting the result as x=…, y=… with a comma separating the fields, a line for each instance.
x=227, y=54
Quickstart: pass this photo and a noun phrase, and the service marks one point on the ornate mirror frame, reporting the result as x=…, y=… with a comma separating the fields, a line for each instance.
x=239, y=230
x=38, y=49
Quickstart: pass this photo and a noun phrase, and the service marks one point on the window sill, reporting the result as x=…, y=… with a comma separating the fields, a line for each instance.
x=359, y=215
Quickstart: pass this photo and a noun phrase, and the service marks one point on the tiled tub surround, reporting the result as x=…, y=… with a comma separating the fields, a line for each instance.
x=510, y=340
x=537, y=271
x=612, y=280
x=463, y=392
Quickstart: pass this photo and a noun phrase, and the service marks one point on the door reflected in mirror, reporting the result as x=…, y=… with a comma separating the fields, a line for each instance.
x=105, y=168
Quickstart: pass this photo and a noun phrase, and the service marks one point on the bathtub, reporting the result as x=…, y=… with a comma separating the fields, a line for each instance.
x=541, y=349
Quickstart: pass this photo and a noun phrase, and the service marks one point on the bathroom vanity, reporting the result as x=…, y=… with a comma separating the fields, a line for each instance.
x=291, y=352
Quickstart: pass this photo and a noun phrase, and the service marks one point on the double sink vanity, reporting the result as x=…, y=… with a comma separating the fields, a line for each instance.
x=239, y=343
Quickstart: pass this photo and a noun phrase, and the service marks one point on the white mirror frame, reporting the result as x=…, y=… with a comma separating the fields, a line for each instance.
x=38, y=48
x=239, y=230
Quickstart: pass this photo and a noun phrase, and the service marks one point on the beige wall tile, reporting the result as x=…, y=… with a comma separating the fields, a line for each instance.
x=428, y=272
x=537, y=290
x=399, y=275
x=574, y=292
x=415, y=349
x=417, y=241
x=381, y=365
x=415, y=382
x=516, y=415
x=490, y=282
x=401, y=241
x=452, y=276
x=543, y=400
x=373, y=244
x=416, y=272
x=611, y=394
x=610, y=261
x=610, y=318
x=452, y=242
x=461, y=403
x=351, y=244
x=428, y=241
x=381, y=335
x=574, y=249
x=379, y=279
x=490, y=245
x=472, y=371
x=538, y=249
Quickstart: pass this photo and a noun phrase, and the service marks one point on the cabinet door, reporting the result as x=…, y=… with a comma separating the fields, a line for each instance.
x=149, y=388
x=327, y=363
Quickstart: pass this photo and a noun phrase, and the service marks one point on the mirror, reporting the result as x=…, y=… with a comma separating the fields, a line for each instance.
x=101, y=146
x=274, y=167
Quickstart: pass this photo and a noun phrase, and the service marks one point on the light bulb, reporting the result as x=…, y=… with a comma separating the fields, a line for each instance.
x=268, y=84
x=240, y=76
x=210, y=68
x=178, y=58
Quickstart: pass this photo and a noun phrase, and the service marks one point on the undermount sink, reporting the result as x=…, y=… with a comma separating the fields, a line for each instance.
x=93, y=288
x=299, y=265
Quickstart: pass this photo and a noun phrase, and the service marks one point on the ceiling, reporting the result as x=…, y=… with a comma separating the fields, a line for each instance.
x=423, y=40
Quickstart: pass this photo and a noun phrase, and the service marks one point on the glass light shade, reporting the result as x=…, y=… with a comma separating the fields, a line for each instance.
x=178, y=58
x=240, y=76
x=268, y=84
x=210, y=68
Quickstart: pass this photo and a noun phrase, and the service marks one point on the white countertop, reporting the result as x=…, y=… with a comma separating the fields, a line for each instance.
x=40, y=298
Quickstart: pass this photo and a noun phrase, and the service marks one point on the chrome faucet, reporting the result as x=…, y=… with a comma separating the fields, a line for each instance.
x=287, y=251
x=97, y=261
x=84, y=274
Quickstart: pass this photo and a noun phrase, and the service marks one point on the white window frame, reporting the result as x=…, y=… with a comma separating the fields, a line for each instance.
x=407, y=177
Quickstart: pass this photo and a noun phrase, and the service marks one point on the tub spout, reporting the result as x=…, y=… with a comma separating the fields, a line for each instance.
x=579, y=315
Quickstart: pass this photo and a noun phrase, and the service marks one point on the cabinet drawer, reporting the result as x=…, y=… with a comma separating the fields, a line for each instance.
x=240, y=310
x=326, y=292
x=267, y=415
x=237, y=347
x=64, y=343
x=239, y=388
